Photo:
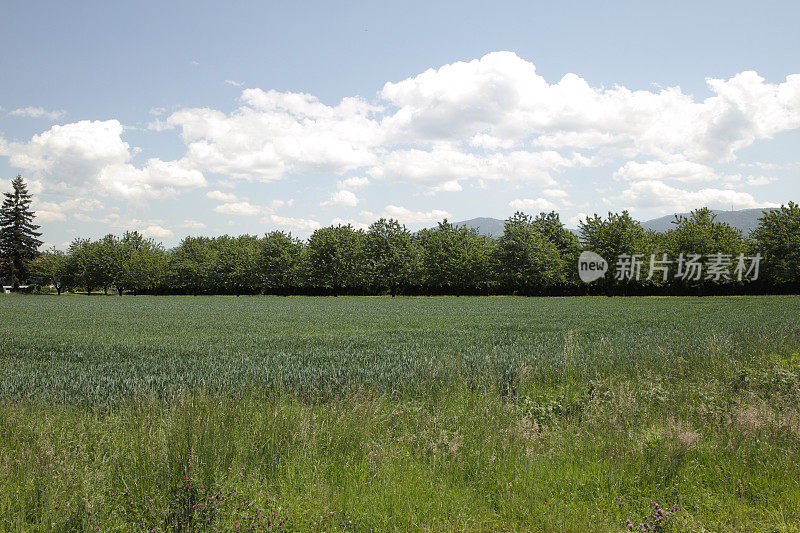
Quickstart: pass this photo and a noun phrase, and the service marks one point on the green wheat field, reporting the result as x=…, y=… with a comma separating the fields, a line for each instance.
x=375, y=413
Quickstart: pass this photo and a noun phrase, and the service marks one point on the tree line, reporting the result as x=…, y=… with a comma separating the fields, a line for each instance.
x=535, y=255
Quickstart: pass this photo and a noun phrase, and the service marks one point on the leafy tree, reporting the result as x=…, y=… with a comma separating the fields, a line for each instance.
x=190, y=265
x=19, y=241
x=526, y=259
x=50, y=268
x=700, y=234
x=83, y=265
x=142, y=263
x=550, y=226
x=618, y=234
x=110, y=262
x=393, y=255
x=456, y=258
x=280, y=262
x=336, y=258
x=777, y=239
x=236, y=264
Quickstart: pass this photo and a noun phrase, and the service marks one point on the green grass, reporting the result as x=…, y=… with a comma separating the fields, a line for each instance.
x=359, y=413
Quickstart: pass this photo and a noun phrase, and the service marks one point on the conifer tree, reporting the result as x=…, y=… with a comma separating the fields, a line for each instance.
x=19, y=241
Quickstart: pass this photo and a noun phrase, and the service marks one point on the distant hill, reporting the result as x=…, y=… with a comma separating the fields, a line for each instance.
x=745, y=220
x=485, y=226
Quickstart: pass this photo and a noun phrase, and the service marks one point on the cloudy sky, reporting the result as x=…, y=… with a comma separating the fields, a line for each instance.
x=187, y=118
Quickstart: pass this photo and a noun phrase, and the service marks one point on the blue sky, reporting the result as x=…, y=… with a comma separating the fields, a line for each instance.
x=181, y=118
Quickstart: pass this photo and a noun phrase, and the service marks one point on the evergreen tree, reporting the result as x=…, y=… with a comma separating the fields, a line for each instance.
x=18, y=235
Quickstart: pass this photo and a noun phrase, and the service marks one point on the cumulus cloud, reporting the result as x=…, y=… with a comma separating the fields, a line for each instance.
x=527, y=204
x=575, y=221
x=191, y=224
x=684, y=171
x=499, y=100
x=555, y=193
x=221, y=196
x=442, y=169
x=343, y=198
x=58, y=211
x=38, y=112
x=238, y=209
x=302, y=225
x=349, y=222
x=407, y=216
x=90, y=156
x=274, y=133
x=157, y=232
x=755, y=181
x=656, y=194
x=354, y=182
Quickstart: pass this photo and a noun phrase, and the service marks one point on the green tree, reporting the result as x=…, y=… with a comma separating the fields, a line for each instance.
x=550, y=226
x=700, y=234
x=393, y=256
x=617, y=236
x=83, y=265
x=142, y=263
x=110, y=260
x=236, y=269
x=280, y=263
x=19, y=241
x=526, y=260
x=50, y=268
x=456, y=258
x=336, y=258
x=190, y=265
x=777, y=239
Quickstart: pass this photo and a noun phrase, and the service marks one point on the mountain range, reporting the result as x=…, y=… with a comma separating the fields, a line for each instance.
x=745, y=220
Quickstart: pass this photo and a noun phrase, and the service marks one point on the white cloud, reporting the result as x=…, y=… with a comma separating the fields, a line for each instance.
x=527, y=204
x=91, y=157
x=349, y=222
x=501, y=98
x=575, y=221
x=59, y=211
x=555, y=193
x=157, y=232
x=191, y=224
x=660, y=196
x=407, y=216
x=221, y=196
x=683, y=171
x=38, y=112
x=234, y=83
x=760, y=180
x=273, y=134
x=301, y=225
x=343, y=198
x=354, y=182
x=238, y=209
x=442, y=168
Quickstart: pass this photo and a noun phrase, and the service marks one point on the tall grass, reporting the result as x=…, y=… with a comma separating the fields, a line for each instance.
x=399, y=414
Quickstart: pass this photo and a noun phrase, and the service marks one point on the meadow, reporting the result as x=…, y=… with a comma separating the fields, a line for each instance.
x=181, y=413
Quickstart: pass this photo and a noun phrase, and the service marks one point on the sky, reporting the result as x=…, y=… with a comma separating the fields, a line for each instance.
x=210, y=118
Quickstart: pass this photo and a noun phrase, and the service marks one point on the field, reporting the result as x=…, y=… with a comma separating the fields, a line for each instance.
x=364, y=413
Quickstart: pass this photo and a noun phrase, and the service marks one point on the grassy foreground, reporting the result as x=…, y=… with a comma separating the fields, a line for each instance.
x=560, y=414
